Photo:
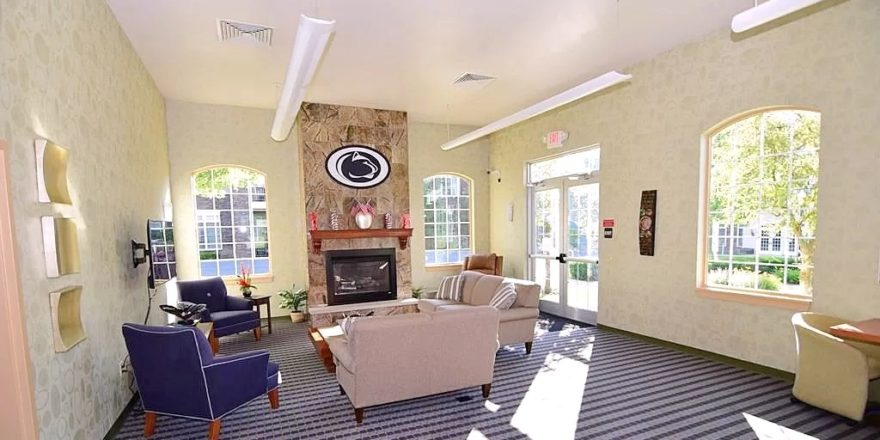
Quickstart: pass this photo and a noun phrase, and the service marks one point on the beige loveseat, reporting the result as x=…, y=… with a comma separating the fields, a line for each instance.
x=517, y=323
x=385, y=359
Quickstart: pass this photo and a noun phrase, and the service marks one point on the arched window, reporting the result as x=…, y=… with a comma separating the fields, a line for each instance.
x=761, y=185
x=231, y=221
x=447, y=202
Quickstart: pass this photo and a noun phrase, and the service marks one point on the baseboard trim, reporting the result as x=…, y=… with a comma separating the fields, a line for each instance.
x=757, y=368
x=117, y=425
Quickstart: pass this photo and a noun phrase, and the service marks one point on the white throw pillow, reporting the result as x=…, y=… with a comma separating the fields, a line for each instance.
x=345, y=324
x=451, y=288
x=504, y=296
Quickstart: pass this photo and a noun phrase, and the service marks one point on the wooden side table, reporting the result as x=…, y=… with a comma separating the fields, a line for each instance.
x=861, y=331
x=208, y=329
x=260, y=300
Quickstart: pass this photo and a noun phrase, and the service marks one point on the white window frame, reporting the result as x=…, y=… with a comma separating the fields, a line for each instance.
x=470, y=212
x=253, y=206
x=797, y=302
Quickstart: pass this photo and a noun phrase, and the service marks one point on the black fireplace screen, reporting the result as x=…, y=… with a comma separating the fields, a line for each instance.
x=362, y=275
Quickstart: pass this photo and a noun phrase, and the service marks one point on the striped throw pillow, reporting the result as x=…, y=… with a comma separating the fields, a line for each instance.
x=504, y=296
x=450, y=288
x=345, y=324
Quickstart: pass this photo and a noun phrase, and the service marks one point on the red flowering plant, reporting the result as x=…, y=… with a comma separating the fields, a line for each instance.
x=244, y=281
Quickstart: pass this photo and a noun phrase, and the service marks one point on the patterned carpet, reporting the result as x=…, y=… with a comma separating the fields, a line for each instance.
x=579, y=382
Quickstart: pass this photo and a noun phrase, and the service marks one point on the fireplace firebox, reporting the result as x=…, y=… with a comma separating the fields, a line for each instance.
x=360, y=275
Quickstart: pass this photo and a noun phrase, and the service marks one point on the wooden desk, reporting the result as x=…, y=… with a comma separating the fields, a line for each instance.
x=260, y=300
x=862, y=331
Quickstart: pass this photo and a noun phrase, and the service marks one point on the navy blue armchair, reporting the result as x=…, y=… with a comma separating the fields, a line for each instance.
x=230, y=314
x=177, y=375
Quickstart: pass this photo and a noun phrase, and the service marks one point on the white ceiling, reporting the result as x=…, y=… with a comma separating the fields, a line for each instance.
x=404, y=54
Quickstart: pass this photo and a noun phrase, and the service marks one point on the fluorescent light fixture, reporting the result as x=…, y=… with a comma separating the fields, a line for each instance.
x=312, y=36
x=577, y=92
x=767, y=12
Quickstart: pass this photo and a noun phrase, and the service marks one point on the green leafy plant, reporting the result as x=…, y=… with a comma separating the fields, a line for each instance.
x=293, y=298
x=417, y=292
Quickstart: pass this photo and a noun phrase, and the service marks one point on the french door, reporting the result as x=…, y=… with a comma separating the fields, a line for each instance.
x=564, y=245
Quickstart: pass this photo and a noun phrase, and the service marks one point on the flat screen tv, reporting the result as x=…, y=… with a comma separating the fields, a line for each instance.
x=163, y=263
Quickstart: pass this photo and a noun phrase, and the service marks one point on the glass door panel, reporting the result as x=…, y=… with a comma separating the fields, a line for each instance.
x=546, y=246
x=582, y=250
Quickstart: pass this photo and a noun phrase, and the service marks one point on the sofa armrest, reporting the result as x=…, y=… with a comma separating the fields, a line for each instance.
x=527, y=293
x=236, y=303
x=341, y=351
x=236, y=379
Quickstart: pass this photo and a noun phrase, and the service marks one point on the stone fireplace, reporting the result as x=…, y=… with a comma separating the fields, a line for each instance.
x=360, y=275
x=324, y=128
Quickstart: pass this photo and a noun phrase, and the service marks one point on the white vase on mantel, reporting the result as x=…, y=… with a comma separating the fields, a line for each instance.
x=363, y=220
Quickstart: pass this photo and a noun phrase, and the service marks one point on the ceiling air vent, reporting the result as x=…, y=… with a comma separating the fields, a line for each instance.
x=468, y=77
x=244, y=32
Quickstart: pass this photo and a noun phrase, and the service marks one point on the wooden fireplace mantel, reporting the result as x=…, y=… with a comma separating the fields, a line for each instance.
x=318, y=236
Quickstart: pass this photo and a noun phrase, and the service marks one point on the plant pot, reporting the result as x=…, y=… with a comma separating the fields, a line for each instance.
x=297, y=316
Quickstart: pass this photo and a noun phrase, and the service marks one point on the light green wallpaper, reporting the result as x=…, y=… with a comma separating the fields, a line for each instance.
x=650, y=131
x=68, y=73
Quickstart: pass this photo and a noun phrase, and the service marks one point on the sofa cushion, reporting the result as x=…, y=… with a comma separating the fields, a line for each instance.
x=430, y=305
x=483, y=290
x=450, y=288
x=517, y=313
x=232, y=317
x=504, y=296
x=527, y=292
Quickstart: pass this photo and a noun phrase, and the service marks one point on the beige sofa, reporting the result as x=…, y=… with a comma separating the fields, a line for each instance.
x=390, y=358
x=517, y=323
x=832, y=373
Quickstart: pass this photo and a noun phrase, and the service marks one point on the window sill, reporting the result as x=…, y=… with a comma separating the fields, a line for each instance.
x=266, y=278
x=797, y=303
x=442, y=267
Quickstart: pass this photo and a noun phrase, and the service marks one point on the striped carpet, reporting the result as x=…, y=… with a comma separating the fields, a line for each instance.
x=577, y=383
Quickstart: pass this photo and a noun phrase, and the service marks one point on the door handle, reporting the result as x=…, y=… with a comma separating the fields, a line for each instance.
x=561, y=258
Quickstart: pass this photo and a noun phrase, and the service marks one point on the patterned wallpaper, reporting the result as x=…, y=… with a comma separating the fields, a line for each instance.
x=650, y=131
x=68, y=73
x=202, y=135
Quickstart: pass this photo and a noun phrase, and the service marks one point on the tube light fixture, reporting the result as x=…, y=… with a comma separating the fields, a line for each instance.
x=312, y=36
x=577, y=92
x=767, y=12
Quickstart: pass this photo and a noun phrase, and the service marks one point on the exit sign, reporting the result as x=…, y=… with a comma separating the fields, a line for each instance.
x=555, y=139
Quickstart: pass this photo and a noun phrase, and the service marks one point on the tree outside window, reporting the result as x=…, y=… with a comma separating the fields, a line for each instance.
x=231, y=221
x=764, y=181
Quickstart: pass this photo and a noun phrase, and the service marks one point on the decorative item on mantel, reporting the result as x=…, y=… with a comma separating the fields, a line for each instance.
x=244, y=282
x=334, y=220
x=362, y=213
x=405, y=222
x=388, y=220
x=313, y=221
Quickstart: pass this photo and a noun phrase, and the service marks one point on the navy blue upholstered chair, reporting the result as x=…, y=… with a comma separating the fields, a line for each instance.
x=177, y=375
x=230, y=314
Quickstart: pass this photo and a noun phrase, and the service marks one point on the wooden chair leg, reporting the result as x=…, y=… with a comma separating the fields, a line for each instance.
x=149, y=423
x=341, y=390
x=273, y=398
x=528, y=347
x=359, y=415
x=486, y=388
x=258, y=333
x=214, y=430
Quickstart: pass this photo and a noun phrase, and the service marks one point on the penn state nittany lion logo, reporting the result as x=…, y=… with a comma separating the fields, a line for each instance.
x=357, y=166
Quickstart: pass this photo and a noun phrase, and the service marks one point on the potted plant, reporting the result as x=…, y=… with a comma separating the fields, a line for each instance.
x=294, y=300
x=244, y=282
x=417, y=292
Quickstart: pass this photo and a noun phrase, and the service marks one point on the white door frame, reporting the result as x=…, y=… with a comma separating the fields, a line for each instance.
x=563, y=183
x=18, y=420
